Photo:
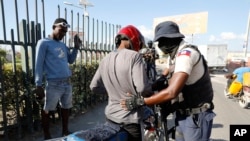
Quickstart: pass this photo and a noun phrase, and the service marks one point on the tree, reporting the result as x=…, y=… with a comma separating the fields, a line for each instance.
x=3, y=53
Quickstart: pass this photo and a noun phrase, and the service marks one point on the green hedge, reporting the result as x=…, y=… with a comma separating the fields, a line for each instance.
x=19, y=85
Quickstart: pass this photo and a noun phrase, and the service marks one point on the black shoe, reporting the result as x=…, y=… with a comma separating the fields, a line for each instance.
x=47, y=137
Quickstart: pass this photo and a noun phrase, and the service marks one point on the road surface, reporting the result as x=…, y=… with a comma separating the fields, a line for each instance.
x=228, y=111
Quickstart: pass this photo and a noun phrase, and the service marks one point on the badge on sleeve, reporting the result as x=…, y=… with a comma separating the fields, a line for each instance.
x=184, y=52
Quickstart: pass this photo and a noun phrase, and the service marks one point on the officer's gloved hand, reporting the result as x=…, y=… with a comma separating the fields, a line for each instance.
x=134, y=102
x=160, y=83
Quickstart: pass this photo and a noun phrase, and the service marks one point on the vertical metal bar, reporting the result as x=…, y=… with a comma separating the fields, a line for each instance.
x=33, y=44
x=106, y=34
x=65, y=17
x=97, y=41
x=83, y=31
x=65, y=13
x=79, y=86
x=72, y=29
x=78, y=30
x=3, y=18
x=110, y=37
x=92, y=42
x=88, y=33
x=35, y=109
x=19, y=133
x=28, y=21
x=38, y=32
x=17, y=20
x=44, y=33
x=36, y=12
x=58, y=11
x=113, y=43
x=118, y=28
x=97, y=32
x=78, y=23
x=85, y=40
x=27, y=78
x=93, y=33
x=102, y=37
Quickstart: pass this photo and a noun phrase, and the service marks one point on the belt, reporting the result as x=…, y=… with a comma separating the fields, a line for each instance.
x=64, y=80
x=191, y=111
x=119, y=124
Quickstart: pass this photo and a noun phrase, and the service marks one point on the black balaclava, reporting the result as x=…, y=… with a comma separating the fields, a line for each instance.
x=169, y=45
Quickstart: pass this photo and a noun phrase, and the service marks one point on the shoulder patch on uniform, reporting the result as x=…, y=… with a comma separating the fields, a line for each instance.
x=184, y=52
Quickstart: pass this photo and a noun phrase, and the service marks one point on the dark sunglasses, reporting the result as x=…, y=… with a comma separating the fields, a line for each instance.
x=63, y=24
x=62, y=30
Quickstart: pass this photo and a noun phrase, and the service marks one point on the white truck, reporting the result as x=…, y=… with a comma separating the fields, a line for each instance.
x=215, y=55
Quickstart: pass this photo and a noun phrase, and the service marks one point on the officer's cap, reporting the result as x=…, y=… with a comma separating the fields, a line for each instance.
x=167, y=29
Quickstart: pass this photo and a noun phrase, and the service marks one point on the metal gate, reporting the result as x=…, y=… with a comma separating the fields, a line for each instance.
x=18, y=105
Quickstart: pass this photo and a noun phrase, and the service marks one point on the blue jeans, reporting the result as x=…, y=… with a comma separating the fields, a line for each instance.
x=195, y=127
x=151, y=71
x=59, y=90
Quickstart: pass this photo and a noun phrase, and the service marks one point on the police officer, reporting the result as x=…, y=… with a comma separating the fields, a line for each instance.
x=191, y=79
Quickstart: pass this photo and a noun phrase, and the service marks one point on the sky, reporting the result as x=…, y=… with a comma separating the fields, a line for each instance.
x=227, y=19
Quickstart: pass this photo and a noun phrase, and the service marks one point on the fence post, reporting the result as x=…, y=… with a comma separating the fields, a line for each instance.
x=19, y=134
x=25, y=67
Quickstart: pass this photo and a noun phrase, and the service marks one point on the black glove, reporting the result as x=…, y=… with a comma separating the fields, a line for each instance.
x=77, y=41
x=134, y=102
x=39, y=91
x=160, y=83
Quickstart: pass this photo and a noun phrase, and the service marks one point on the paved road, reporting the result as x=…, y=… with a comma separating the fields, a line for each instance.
x=228, y=112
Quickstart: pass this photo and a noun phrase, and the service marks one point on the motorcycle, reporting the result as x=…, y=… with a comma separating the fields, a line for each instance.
x=152, y=131
x=239, y=92
x=154, y=124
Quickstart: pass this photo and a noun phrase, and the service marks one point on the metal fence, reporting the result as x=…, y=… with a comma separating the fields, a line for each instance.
x=18, y=105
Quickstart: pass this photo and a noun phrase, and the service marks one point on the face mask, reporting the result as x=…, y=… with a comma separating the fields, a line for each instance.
x=167, y=49
x=168, y=45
